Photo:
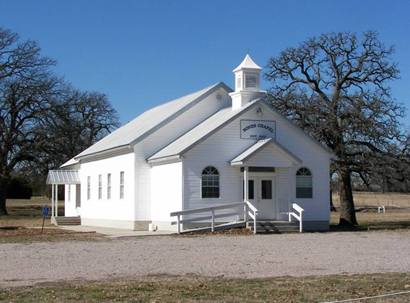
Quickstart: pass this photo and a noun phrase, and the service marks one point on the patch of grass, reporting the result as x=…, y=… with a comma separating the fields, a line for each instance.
x=27, y=213
x=13, y=234
x=199, y=289
x=23, y=224
x=238, y=231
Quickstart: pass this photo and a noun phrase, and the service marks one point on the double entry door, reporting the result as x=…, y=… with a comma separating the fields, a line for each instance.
x=261, y=193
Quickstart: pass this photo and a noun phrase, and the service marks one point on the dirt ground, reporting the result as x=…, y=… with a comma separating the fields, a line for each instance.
x=56, y=267
x=219, y=256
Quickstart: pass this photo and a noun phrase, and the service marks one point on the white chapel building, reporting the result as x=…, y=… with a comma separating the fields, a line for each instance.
x=211, y=148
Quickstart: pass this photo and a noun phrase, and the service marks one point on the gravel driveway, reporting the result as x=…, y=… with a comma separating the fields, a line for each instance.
x=228, y=256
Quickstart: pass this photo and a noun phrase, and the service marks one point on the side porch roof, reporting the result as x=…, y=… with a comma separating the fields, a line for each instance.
x=63, y=176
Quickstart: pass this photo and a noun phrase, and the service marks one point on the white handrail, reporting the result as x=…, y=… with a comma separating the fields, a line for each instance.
x=249, y=204
x=203, y=209
x=298, y=216
x=249, y=209
x=297, y=207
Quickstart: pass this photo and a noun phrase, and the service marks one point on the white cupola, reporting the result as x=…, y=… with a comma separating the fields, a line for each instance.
x=247, y=79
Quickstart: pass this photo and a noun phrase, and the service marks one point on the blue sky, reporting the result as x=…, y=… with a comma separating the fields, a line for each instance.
x=142, y=53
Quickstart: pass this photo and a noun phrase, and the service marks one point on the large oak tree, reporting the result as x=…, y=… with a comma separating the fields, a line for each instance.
x=43, y=121
x=336, y=87
x=77, y=120
x=25, y=88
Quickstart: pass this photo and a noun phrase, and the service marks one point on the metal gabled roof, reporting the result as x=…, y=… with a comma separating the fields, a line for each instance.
x=148, y=121
x=174, y=150
x=200, y=132
x=250, y=150
x=70, y=162
x=63, y=177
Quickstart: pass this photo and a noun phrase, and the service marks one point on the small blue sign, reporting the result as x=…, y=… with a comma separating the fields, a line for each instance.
x=45, y=210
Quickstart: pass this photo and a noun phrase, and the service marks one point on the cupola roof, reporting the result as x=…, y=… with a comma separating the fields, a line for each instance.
x=247, y=63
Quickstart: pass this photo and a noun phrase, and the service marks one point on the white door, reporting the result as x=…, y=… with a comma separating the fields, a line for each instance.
x=261, y=193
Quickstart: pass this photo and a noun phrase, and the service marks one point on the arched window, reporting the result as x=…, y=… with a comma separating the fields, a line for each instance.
x=210, y=182
x=304, y=183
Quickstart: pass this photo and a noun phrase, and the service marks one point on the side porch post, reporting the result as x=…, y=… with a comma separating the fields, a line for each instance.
x=245, y=193
x=56, y=202
x=52, y=200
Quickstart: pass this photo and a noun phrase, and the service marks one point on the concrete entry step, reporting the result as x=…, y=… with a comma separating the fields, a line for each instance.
x=67, y=220
x=226, y=226
x=278, y=227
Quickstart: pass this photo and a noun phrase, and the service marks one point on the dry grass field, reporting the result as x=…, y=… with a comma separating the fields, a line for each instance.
x=390, y=200
x=24, y=222
x=27, y=213
x=397, y=213
x=202, y=289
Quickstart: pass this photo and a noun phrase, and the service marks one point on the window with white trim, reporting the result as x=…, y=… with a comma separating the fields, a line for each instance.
x=122, y=185
x=108, y=186
x=99, y=187
x=88, y=188
x=304, y=186
x=210, y=182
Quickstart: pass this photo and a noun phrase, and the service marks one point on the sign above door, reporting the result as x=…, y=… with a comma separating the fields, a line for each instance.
x=257, y=129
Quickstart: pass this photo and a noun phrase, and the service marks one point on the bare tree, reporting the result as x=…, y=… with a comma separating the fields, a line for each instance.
x=20, y=59
x=336, y=88
x=76, y=121
x=389, y=171
x=25, y=87
x=43, y=121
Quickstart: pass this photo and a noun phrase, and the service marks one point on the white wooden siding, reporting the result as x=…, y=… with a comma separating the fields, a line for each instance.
x=166, y=191
x=163, y=137
x=114, y=208
x=284, y=189
x=269, y=155
x=70, y=205
x=225, y=144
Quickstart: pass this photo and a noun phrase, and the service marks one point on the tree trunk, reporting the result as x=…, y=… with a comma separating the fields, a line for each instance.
x=347, y=211
x=3, y=194
x=332, y=206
